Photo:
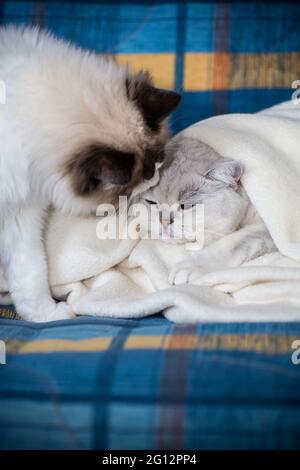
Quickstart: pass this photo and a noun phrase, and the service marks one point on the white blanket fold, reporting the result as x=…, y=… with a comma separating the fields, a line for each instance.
x=130, y=278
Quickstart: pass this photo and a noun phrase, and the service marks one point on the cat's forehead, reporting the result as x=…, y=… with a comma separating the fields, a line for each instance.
x=174, y=189
x=188, y=161
x=181, y=150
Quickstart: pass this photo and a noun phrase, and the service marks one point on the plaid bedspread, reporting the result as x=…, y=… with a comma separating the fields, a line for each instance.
x=148, y=384
x=223, y=57
x=106, y=384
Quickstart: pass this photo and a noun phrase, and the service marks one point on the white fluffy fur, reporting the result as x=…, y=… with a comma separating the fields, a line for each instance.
x=57, y=97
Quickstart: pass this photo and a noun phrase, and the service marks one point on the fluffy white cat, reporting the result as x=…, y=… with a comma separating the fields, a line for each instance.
x=76, y=130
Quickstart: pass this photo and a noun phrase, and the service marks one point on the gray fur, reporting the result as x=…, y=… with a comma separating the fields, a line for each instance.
x=234, y=233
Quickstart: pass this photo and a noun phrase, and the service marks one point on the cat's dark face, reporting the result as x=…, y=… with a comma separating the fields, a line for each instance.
x=128, y=145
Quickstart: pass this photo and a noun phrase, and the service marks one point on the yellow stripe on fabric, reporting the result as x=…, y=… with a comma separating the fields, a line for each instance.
x=198, y=71
x=161, y=66
x=263, y=343
x=240, y=71
x=260, y=343
x=58, y=345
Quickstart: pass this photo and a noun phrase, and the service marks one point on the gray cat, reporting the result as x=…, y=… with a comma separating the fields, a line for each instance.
x=233, y=231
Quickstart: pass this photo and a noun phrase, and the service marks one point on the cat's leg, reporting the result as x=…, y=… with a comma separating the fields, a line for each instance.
x=230, y=251
x=25, y=267
x=5, y=297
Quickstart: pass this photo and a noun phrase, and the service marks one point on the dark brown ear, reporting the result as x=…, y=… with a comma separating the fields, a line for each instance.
x=155, y=104
x=96, y=164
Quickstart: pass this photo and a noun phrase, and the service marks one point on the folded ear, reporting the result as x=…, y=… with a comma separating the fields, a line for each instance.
x=227, y=171
x=155, y=104
x=96, y=164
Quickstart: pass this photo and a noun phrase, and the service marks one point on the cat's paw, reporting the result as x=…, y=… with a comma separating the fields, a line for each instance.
x=185, y=272
x=44, y=310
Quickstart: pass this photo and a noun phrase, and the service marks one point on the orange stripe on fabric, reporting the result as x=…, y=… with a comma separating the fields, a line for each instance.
x=222, y=70
x=174, y=376
x=265, y=343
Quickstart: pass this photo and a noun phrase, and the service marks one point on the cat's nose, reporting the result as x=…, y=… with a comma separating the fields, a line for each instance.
x=165, y=223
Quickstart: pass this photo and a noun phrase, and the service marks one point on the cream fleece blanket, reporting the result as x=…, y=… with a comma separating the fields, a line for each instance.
x=130, y=278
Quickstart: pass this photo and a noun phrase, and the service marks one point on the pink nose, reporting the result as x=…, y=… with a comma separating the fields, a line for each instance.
x=165, y=223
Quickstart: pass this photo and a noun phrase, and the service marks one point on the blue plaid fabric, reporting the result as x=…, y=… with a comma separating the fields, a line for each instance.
x=148, y=384
x=107, y=384
x=223, y=57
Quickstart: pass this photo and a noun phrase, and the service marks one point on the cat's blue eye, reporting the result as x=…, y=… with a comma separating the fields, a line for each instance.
x=150, y=202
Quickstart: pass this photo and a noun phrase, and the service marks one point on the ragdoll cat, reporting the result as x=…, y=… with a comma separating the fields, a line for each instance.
x=193, y=173
x=76, y=130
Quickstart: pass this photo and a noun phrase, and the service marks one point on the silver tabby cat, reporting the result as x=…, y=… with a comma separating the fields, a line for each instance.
x=233, y=231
